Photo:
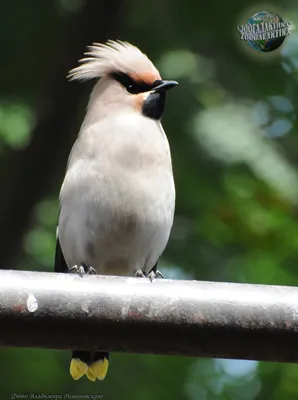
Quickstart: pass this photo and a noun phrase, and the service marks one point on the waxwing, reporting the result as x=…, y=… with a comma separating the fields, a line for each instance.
x=118, y=197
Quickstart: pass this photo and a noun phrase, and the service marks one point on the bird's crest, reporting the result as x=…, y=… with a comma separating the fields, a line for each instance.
x=115, y=56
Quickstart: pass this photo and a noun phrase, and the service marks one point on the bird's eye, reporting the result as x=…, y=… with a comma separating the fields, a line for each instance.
x=132, y=88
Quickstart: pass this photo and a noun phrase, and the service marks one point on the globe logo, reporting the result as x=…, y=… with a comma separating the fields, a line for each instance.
x=265, y=31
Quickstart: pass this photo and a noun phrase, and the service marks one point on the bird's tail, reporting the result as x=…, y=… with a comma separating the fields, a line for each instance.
x=93, y=364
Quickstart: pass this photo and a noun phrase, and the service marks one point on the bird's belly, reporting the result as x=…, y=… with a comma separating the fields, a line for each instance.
x=117, y=234
x=130, y=243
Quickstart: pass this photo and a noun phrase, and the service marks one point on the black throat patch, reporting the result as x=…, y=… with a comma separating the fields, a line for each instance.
x=154, y=105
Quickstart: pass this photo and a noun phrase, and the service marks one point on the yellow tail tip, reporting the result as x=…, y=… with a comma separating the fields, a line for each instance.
x=77, y=368
x=90, y=375
x=99, y=369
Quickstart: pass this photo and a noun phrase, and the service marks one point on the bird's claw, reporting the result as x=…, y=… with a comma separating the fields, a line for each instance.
x=77, y=270
x=82, y=270
x=91, y=271
x=155, y=275
x=158, y=274
x=152, y=274
x=140, y=274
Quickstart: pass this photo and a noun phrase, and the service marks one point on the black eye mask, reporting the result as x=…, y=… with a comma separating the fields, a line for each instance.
x=133, y=86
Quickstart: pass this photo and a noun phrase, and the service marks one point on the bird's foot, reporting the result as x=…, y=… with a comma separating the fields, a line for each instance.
x=140, y=274
x=153, y=274
x=77, y=270
x=82, y=270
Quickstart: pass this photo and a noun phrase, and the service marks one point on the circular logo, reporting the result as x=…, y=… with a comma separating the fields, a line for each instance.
x=265, y=31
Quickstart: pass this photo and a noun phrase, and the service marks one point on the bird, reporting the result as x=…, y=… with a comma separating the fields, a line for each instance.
x=117, y=199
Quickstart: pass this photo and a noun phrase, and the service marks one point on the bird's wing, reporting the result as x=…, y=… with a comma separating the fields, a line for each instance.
x=60, y=263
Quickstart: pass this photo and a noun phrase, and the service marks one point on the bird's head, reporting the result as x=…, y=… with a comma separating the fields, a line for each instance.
x=129, y=80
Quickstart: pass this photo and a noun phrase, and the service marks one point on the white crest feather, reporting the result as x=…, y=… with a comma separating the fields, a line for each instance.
x=113, y=56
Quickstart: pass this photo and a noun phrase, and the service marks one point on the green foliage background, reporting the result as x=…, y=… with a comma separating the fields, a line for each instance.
x=232, y=127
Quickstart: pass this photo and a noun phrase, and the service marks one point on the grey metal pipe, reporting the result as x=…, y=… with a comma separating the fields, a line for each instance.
x=190, y=318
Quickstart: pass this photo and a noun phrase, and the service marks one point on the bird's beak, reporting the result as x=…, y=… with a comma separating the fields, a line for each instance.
x=164, y=86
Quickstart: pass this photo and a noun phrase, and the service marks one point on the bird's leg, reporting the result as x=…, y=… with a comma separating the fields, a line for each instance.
x=82, y=270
